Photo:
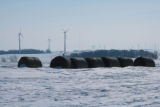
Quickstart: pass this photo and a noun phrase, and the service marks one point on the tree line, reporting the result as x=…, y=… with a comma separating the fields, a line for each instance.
x=115, y=53
x=24, y=51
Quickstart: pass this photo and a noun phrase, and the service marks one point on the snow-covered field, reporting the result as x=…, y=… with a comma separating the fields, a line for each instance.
x=98, y=87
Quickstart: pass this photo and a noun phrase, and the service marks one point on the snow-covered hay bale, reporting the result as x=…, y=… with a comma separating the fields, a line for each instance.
x=60, y=62
x=125, y=61
x=144, y=61
x=95, y=62
x=79, y=63
x=3, y=59
x=111, y=62
x=13, y=58
x=32, y=62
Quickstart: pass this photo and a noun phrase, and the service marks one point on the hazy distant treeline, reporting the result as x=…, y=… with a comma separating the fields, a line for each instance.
x=116, y=53
x=24, y=51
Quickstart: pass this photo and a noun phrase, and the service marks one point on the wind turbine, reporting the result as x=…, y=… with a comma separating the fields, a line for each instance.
x=49, y=45
x=19, y=39
x=65, y=44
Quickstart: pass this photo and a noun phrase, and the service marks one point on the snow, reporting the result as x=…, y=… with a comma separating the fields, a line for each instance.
x=47, y=87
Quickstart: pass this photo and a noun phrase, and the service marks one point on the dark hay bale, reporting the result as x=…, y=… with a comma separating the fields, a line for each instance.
x=79, y=63
x=61, y=62
x=125, y=61
x=32, y=62
x=95, y=62
x=144, y=61
x=111, y=62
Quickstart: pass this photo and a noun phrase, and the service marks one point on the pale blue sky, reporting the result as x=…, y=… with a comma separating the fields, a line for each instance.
x=118, y=24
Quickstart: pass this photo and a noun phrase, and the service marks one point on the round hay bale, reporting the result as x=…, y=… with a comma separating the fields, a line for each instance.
x=95, y=62
x=125, y=61
x=144, y=61
x=60, y=62
x=111, y=62
x=31, y=62
x=79, y=63
x=3, y=59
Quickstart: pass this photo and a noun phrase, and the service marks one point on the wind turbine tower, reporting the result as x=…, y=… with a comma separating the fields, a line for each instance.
x=65, y=37
x=49, y=45
x=19, y=39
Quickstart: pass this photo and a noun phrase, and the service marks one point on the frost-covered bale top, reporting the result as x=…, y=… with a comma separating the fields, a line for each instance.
x=32, y=62
x=144, y=61
x=95, y=62
x=125, y=61
x=111, y=62
x=61, y=62
x=79, y=63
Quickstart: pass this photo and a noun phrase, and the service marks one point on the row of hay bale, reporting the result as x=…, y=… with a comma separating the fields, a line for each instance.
x=63, y=62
